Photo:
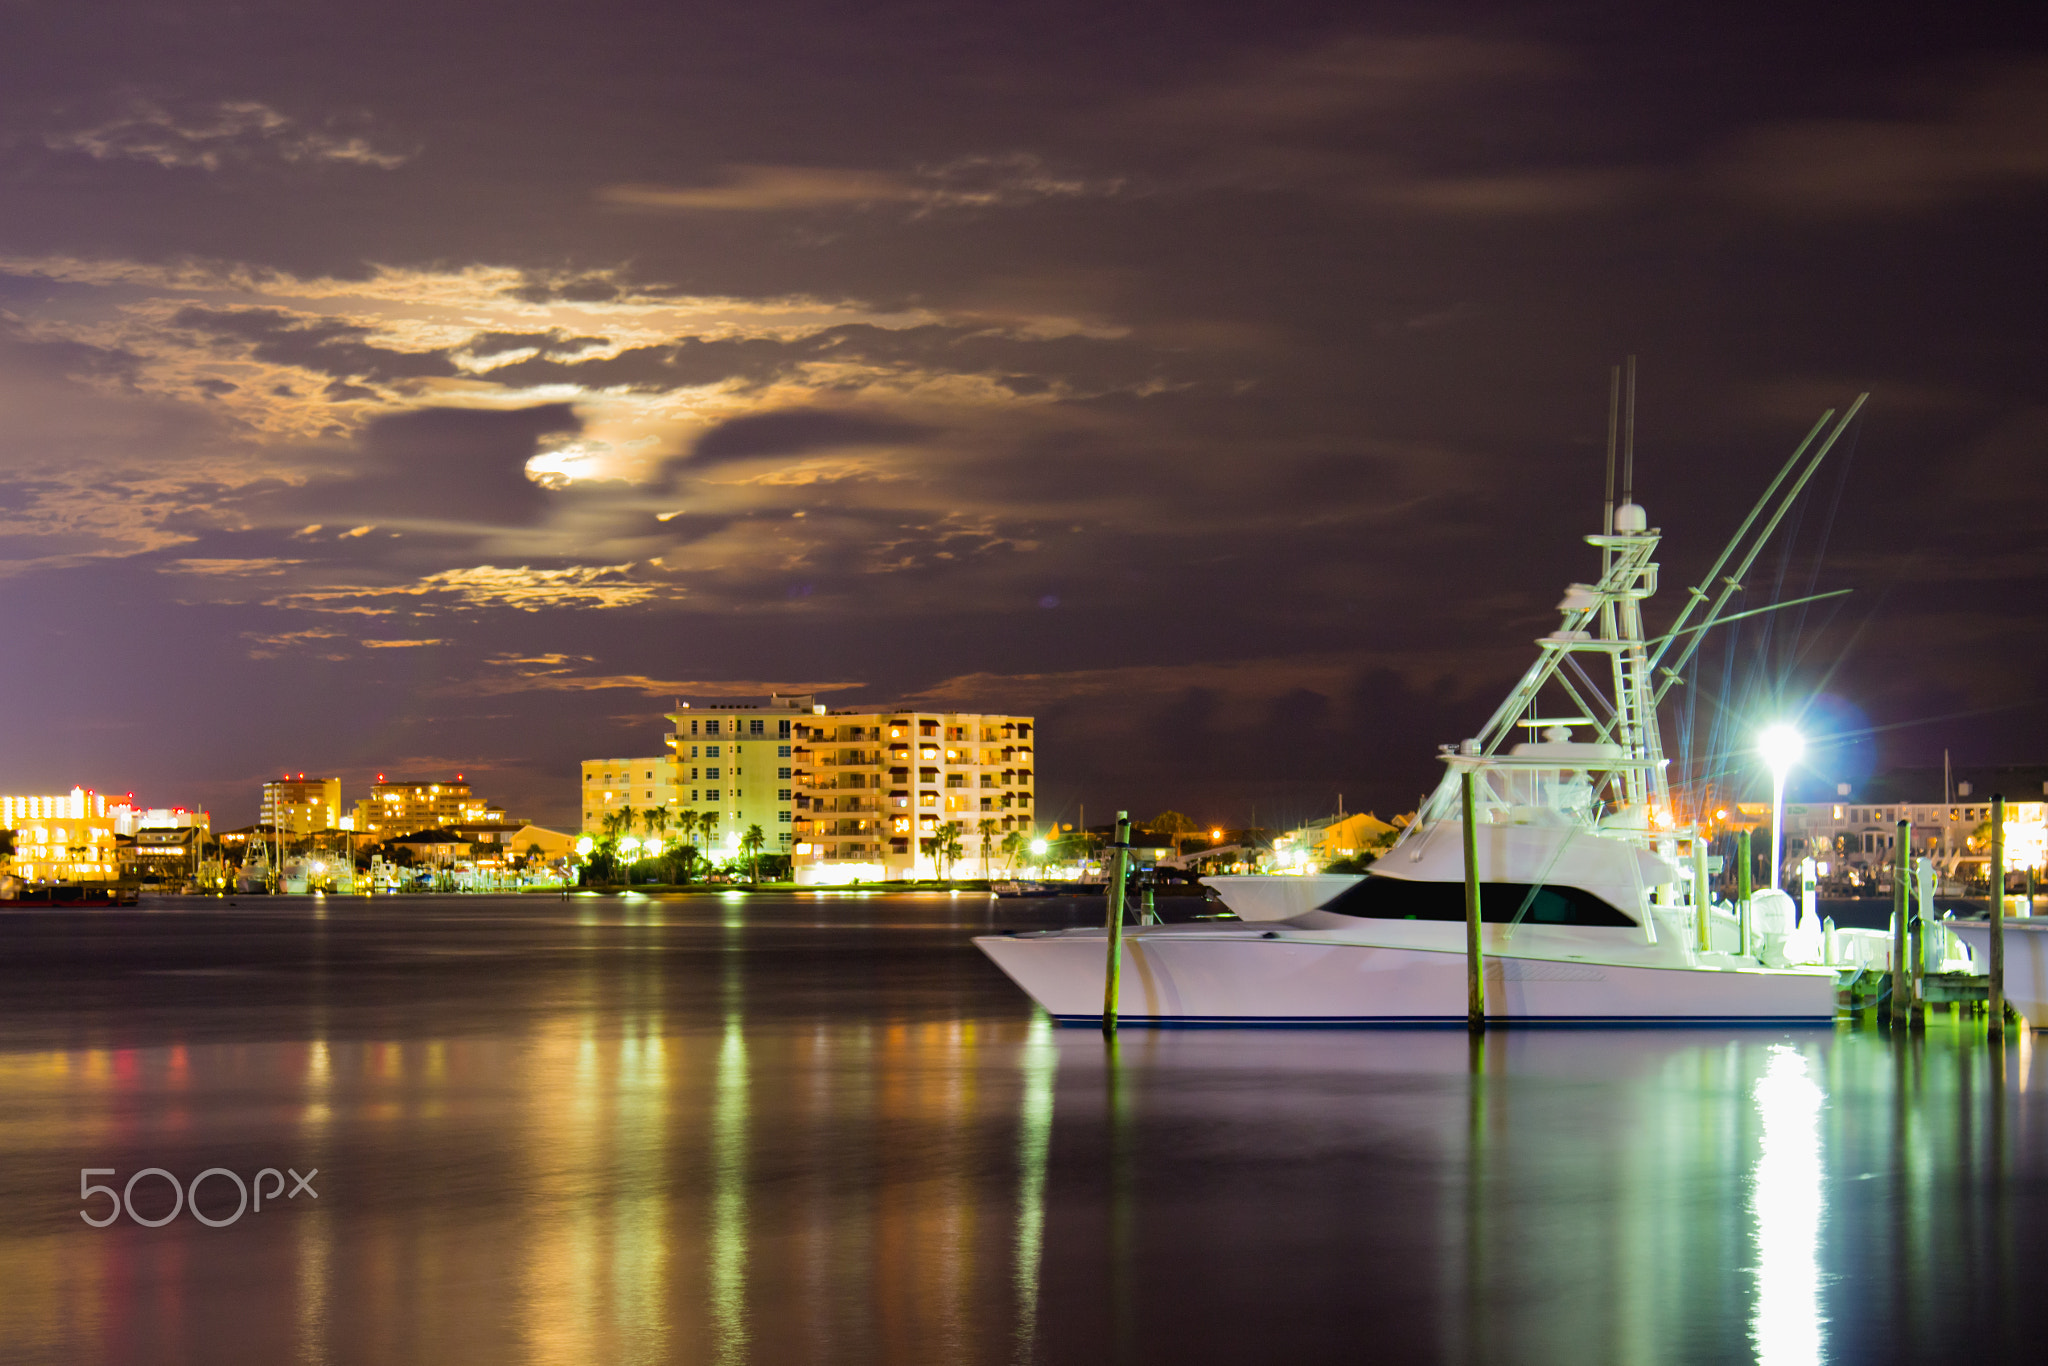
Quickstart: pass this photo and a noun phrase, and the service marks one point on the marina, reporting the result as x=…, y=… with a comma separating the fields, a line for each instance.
x=810, y=1127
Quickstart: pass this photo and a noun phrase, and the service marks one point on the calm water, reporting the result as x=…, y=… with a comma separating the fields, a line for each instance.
x=787, y=1129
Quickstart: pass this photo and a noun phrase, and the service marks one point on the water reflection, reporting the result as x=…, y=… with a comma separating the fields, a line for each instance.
x=720, y=1131
x=1785, y=1202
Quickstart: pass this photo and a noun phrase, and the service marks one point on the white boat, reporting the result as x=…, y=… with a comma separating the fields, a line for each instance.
x=2026, y=961
x=1590, y=913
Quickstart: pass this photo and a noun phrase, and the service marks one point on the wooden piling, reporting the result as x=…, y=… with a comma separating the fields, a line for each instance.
x=1702, y=897
x=1909, y=930
x=1119, y=870
x=1475, y=964
x=1995, y=997
x=1743, y=892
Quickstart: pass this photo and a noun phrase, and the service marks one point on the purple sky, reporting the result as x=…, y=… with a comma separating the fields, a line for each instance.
x=437, y=388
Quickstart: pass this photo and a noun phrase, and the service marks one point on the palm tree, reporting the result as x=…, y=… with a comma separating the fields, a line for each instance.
x=6, y=845
x=950, y=847
x=1014, y=845
x=656, y=819
x=988, y=843
x=750, y=845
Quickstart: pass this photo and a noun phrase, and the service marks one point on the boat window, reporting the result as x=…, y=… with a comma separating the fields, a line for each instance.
x=1390, y=898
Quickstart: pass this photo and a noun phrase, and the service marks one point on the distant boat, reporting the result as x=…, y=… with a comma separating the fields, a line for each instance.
x=1014, y=888
x=1589, y=913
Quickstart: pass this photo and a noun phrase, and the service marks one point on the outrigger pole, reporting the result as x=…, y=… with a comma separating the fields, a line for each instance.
x=1732, y=584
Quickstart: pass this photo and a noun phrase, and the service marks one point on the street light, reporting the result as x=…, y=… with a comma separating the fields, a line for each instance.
x=1780, y=746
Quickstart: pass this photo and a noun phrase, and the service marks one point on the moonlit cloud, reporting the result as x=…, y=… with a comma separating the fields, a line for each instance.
x=214, y=136
x=1229, y=391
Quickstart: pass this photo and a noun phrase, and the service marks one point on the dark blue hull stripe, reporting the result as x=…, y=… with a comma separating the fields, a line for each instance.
x=1411, y=1021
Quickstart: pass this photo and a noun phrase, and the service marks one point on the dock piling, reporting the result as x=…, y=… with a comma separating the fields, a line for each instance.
x=1995, y=1001
x=1702, y=897
x=1119, y=872
x=1743, y=891
x=1906, y=949
x=1475, y=965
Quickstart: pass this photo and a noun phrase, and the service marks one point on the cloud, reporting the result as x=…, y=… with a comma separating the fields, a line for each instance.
x=592, y=585
x=752, y=189
x=797, y=431
x=213, y=136
x=397, y=644
x=972, y=181
x=1990, y=135
x=552, y=673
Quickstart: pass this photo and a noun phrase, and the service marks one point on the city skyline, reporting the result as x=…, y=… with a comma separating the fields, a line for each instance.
x=1228, y=392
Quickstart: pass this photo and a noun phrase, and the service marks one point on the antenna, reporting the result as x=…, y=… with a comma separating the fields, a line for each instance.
x=1628, y=445
x=1613, y=429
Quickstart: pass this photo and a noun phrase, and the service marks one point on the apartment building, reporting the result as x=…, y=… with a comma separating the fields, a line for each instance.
x=870, y=785
x=66, y=838
x=395, y=809
x=733, y=767
x=302, y=806
x=609, y=784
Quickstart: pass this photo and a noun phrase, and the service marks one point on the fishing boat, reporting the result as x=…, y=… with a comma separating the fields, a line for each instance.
x=1595, y=901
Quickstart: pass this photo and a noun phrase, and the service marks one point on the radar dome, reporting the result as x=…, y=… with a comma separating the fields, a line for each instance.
x=1631, y=520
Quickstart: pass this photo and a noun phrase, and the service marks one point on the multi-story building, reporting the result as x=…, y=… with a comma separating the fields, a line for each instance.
x=1857, y=832
x=732, y=765
x=302, y=805
x=871, y=785
x=61, y=838
x=611, y=784
x=848, y=795
x=395, y=809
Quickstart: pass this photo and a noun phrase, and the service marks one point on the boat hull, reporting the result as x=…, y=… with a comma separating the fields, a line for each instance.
x=2026, y=961
x=1249, y=979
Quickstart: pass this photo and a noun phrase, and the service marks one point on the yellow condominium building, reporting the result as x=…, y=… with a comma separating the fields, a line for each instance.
x=61, y=839
x=302, y=805
x=395, y=809
x=871, y=785
x=611, y=785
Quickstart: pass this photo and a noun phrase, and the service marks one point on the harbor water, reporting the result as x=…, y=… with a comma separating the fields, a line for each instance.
x=785, y=1127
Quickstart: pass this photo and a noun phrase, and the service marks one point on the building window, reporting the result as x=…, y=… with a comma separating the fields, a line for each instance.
x=756, y=727
x=782, y=773
x=711, y=751
x=782, y=751
x=927, y=799
x=782, y=731
x=782, y=816
x=782, y=794
x=693, y=791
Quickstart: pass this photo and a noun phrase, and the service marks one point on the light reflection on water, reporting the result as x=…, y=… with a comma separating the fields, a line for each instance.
x=729, y=1130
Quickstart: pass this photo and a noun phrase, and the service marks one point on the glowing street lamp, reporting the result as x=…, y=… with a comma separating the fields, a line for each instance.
x=1780, y=747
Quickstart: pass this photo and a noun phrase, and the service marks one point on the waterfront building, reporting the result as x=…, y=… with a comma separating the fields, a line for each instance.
x=733, y=767
x=1855, y=835
x=302, y=805
x=610, y=784
x=401, y=808
x=67, y=838
x=870, y=785
x=848, y=795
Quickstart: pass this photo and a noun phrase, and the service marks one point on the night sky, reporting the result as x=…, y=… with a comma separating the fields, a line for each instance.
x=436, y=388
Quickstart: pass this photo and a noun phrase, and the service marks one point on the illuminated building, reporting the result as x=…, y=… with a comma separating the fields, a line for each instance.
x=301, y=806
x=1856, y=832
x=609, y=784
x=61, y=839
x=870, y=785
x=394, y=809
x=846, y=794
